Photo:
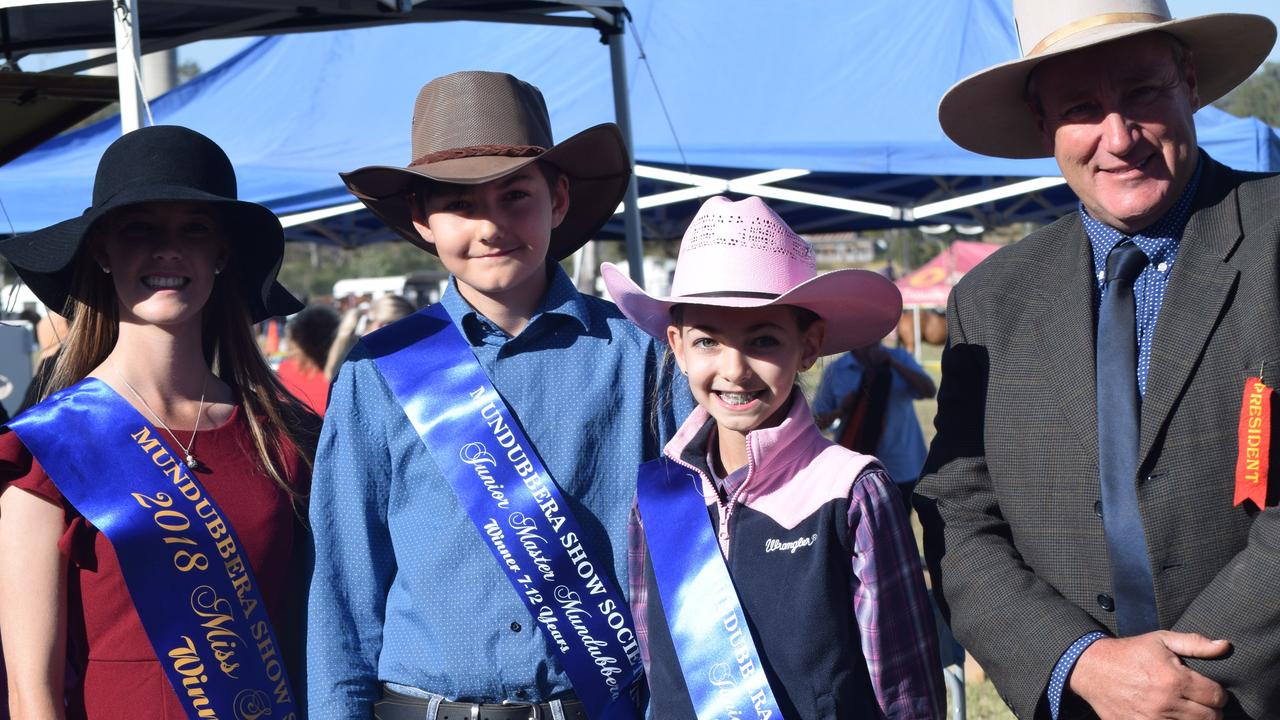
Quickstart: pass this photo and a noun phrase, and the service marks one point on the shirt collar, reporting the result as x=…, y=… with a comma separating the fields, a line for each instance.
x=1159, y=241
x=729, y=482
x=694, y=441
x=561, y=299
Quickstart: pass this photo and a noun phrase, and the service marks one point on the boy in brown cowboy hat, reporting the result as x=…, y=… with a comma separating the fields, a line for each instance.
x=1085, y=523
x=476, y=467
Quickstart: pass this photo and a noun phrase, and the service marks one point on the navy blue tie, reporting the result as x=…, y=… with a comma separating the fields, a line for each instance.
x=1118, y=416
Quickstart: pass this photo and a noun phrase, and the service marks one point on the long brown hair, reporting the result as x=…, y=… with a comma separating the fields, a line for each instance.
x=281, y=427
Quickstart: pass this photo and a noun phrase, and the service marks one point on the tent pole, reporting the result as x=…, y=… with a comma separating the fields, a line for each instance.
x=915, y=325
x=128, y=60
x=622, y=110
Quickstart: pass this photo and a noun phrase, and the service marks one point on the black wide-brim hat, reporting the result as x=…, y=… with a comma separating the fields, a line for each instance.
x=473, y=127
x=163, y=163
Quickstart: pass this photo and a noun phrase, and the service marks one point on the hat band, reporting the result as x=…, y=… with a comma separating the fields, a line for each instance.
x=480, y=151
x=733, y=293
x=1092, y=22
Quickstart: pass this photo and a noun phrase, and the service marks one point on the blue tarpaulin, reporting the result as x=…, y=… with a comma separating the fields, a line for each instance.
x=723, y=87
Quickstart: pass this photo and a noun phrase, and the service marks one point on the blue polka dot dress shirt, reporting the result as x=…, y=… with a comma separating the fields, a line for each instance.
x=1160, y=244
x=405, y=591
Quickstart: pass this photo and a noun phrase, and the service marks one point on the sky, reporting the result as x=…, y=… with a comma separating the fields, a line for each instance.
x=210, y=52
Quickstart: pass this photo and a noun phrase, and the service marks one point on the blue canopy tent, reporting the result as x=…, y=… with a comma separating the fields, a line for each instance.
x=833, y=103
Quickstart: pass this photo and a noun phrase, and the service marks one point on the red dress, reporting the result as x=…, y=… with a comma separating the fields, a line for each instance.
x=312, y=388
x=107, y=647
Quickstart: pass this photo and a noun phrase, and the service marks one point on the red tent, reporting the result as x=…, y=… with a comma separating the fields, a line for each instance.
x=931, y=283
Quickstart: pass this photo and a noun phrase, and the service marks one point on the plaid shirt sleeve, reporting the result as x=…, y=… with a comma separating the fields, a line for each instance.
x=637, y=553
x=895, y=620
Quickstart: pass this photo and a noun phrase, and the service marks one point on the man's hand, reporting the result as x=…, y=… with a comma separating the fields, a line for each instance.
x=1142, y=677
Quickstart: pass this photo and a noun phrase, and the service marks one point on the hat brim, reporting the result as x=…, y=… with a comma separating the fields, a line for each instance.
x=987, y=112
x=43, y=258
x=860, y=307
x=595, y=160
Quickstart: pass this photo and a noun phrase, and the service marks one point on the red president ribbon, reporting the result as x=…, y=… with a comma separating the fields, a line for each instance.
x=1254, y=443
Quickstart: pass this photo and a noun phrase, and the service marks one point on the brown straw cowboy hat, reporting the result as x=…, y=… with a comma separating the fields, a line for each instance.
x=987, y=112
x=472, y=127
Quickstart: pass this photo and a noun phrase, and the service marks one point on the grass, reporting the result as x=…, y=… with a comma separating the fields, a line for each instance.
x=982, y=702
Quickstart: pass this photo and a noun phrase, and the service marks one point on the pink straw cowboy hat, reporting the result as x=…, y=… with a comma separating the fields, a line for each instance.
x=987, y=112
x=741, y=254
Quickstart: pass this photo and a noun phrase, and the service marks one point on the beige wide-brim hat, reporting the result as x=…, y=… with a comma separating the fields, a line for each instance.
x=474, y=126
x=987, y=112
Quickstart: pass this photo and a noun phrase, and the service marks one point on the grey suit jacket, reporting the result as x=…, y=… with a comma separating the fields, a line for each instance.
x=1013, y=537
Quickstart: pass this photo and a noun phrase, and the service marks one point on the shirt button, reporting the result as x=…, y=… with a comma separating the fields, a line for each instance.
x=515, y=626
x=1163, y=267
x=1106, y=602
x=1097, y=508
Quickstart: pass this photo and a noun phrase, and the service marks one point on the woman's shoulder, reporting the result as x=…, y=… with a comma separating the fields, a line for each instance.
x=19, y=468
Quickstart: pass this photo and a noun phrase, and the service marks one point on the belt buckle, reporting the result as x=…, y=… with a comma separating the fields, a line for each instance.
x=535, y=711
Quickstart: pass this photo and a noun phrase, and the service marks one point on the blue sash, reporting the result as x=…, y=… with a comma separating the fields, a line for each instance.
x=515, y=504
x=718, y=656
x=181, y=561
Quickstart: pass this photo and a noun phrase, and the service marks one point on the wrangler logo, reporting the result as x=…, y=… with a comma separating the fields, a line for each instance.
x=789, y=546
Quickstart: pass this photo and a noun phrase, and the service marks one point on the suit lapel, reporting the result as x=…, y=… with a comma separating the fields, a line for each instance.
x=1194, y=300
x=1064, y=333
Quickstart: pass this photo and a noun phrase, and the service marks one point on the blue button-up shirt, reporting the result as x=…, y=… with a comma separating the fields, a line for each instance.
x=405, y=590
x=901, y=447
x=1160, y=244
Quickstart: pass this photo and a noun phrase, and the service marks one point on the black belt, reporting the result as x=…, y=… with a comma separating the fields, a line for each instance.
x=398, y=706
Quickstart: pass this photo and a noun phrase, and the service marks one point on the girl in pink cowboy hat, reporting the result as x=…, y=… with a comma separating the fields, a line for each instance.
x=774, y=573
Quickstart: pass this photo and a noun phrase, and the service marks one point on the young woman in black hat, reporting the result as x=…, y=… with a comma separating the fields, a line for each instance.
x=150, y=539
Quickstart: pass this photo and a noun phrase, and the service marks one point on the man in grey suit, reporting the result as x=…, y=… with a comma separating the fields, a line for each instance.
x=1082, y=528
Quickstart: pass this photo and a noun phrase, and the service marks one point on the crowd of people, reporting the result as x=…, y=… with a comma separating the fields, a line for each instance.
x=527, y=502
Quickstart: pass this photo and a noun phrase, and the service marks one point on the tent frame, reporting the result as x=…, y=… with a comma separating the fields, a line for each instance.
x=609, y=17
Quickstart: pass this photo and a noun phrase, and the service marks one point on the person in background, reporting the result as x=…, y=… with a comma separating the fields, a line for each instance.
x=383, y=311
x=50, y=330
x=310, y=334
x=871, y=392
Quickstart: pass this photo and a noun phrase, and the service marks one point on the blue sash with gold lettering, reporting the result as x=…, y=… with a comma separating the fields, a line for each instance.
x=186, y=574
x=718, y=656
x=515, y=504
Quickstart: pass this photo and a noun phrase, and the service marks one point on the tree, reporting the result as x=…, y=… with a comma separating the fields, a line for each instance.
x=1258, y=97
x=310, y=270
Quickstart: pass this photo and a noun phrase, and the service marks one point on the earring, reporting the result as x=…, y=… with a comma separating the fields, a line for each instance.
x=106, y=269
x=217, y=271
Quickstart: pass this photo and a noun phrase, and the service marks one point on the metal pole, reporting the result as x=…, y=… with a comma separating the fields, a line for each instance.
x=953, y=675
x=917, y=335
x=622, y=110
x=128, y=59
